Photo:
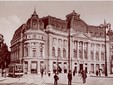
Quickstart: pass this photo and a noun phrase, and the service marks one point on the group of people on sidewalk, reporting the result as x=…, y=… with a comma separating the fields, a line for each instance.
x=69, y=77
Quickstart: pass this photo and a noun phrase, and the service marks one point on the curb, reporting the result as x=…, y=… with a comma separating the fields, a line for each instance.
x=102, y=76
x=2, y=79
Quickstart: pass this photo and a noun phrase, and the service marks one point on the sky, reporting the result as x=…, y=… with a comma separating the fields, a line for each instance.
x=14, y=13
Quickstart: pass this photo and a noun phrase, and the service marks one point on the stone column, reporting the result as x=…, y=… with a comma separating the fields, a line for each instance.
x=38, y=67
x=94, y=58
x=78, y=56
x=51, y=66
x=108, y=57
x=30, y=50
x=94, y=68
x=99, y=52
x=89, y=51
x=83, y=44
x=29, y=67
x=83, y=55
x=94, y=52
x=88, y=54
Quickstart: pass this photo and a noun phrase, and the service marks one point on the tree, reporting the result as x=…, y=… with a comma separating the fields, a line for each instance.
x=4, y=56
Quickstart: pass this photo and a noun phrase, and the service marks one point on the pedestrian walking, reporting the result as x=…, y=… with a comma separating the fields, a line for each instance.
x=49, y=73
x=69, y=77
x=42, y=70
x=84, y=76
x=56, y=78
x=97, y=72
x=74, y=72
x=2, y=73
x=100, y=72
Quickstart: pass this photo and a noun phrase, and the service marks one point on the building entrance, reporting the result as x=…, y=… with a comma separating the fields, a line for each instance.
x=86, y=69
x=80, y=67
x=33, y=66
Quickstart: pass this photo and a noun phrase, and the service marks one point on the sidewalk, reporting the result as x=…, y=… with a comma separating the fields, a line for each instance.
x=2, y=78
x=102, y=76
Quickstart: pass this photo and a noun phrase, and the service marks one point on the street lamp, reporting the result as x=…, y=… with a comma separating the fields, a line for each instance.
x=105, y=26
x=71, y=63
x=69, y=48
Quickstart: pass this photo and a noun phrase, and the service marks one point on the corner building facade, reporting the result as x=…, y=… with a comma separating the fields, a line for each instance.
x=43, y=43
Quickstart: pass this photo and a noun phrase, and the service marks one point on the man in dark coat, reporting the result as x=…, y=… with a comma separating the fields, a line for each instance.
x=69, y=77
x=42, y=70
x=84, y=76
x=56, y=78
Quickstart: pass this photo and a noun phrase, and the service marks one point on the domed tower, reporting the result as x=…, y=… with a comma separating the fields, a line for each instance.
x=76, y=23
x=34, y=44
x=34, y=22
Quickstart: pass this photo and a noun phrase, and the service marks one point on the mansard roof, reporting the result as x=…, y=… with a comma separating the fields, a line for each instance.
x=57, y=23
x=20, y=30
x=96, y=31
x=73, y=21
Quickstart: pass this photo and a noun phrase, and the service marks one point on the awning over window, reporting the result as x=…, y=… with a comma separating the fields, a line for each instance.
x=65, y=66
x=42, y=65
x=54, y=66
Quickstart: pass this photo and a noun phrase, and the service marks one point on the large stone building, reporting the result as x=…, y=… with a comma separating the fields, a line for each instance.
x=43, y=43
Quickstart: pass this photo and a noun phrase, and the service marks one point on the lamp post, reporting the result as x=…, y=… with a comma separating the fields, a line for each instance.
x=105, y=26
x=71, y=63
x=69, y=49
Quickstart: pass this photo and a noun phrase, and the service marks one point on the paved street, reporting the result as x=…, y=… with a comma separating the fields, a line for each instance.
x=25, y=80
x=33, y=79
x=78, y=81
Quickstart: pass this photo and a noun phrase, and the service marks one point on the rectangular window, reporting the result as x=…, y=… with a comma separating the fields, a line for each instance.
x=92, y=68
x=34, y=36
x=34, y=53
x=41, y=52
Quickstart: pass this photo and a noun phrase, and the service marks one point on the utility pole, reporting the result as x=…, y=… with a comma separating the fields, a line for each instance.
x=105, y=26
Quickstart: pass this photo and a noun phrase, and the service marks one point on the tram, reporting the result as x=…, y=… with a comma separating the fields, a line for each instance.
x=15, y=70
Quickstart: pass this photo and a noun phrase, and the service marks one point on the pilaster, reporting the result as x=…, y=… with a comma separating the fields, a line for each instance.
x=29, y=67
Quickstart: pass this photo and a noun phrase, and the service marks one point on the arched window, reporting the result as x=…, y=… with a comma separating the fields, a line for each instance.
x=26, y=51
x=85, y=54
x=97, y=56
x=74, y=53
x=41, y=52
x=92, y=55
x=80, y=54
x=34, y=52
x=53, y=51
x=34, y=24
x=102, y=56
x=64, y=53
x=59, y=52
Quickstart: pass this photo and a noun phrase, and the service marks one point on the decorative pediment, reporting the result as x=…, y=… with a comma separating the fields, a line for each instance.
x=82, y=35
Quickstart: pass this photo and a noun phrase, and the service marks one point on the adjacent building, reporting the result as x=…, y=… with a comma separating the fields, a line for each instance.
x=43, y=43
